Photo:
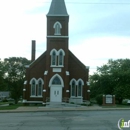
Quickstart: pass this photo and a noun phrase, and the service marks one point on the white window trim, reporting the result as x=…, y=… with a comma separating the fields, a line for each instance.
x=57, y=57
x=62, y=60
x=71, y=87
x=54, y=66
x=51, y=54
x=51, y=80
x=36, y=97
x=31, y=86
x=42, y=82
x=57, y=32
x=36, y=88
x=82, y=83
x=76, y=86
x=81, y=90
x=63, y=55
x=71, y=92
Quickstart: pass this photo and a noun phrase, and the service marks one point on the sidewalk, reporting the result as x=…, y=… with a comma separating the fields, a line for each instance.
x=51, y=109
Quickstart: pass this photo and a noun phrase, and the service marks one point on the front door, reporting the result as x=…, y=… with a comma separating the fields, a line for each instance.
x=56, y=94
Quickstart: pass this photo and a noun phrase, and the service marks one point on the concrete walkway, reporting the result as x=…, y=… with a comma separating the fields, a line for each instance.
x=61, y=108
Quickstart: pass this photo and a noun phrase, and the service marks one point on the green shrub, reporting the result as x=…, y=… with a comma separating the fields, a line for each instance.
x=124, y=102
x=5, y=100
x=99, y=99
x=11, y=103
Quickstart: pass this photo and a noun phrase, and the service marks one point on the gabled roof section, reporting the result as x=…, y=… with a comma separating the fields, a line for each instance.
x=57, y=8
x=35, y=61
x=77, y=60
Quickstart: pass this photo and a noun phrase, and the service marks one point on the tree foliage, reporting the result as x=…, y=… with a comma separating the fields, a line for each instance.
x=3, y=85
x=14, y=74
x=112, y=78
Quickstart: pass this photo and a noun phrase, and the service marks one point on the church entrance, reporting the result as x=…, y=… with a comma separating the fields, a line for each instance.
x=56, y=84
x=56, y=94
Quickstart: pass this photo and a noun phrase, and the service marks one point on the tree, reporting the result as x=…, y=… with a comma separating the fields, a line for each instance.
x=3, y=85
x=14, y=75
x=112, y=78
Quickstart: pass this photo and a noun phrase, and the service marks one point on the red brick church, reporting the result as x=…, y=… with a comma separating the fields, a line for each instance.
x=57, y=74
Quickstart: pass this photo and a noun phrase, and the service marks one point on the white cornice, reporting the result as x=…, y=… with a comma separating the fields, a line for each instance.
x=57, y=36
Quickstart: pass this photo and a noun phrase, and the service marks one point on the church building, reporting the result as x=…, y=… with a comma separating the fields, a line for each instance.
x=57, y=75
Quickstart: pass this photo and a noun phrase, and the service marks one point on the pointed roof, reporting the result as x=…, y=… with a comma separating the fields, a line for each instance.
x=57, y=8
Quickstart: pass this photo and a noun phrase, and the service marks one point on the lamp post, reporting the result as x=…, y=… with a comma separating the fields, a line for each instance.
x=88, y=91
x=44, y=97
x=67, y=91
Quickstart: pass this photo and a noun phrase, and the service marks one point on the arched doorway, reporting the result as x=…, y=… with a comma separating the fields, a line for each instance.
x=56, y=84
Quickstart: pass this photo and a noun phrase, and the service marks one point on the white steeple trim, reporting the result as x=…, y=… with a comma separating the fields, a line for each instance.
x=51, y=36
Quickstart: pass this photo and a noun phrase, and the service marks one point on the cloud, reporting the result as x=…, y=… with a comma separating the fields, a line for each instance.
x=97, y=51
x=18, y=28
x=91, y=20
x=97, y=32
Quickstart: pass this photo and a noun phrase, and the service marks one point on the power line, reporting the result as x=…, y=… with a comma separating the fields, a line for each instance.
x=92, y=3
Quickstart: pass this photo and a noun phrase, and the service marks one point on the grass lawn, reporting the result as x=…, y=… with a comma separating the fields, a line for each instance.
x=2, y=103
x=10, y=107
x=117, y=106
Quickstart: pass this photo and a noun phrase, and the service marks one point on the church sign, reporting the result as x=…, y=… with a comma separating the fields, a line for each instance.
x=108, y=98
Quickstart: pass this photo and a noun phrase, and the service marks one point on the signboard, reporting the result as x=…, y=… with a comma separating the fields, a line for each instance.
x=108, y=98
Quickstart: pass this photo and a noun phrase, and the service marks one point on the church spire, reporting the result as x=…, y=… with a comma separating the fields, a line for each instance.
x=57, y=8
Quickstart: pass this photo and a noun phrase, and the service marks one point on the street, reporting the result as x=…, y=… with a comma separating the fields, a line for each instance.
x=64, y=120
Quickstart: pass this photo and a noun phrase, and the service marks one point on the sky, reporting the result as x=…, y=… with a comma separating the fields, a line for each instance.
x=99, y=30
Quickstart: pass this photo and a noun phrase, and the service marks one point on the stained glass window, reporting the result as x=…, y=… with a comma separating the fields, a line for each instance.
x=56, y=81
x=53, y=58
x=61, y=58
x=39, y=88
x=73, y=89
x=33, y=90
x=79, y=88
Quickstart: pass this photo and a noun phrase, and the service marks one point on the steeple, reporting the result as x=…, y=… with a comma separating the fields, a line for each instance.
x=57, y=8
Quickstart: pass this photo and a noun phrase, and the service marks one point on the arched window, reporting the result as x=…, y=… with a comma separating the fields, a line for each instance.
x=79, y=89
x=61, y=58
x=61, y=55
x=33, y=88
x=56, y=81
x=80, y=84
x=39, y=89
x=57, y=26
x=53, y=58
x=53, y=54
x=73, y=88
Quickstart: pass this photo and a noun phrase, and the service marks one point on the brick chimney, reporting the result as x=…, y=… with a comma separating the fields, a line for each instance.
x=33, y=50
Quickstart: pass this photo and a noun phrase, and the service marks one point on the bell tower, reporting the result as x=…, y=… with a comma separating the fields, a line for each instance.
x=57, y=33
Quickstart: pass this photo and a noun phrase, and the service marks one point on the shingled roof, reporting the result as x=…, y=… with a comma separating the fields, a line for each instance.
x=57, y=8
